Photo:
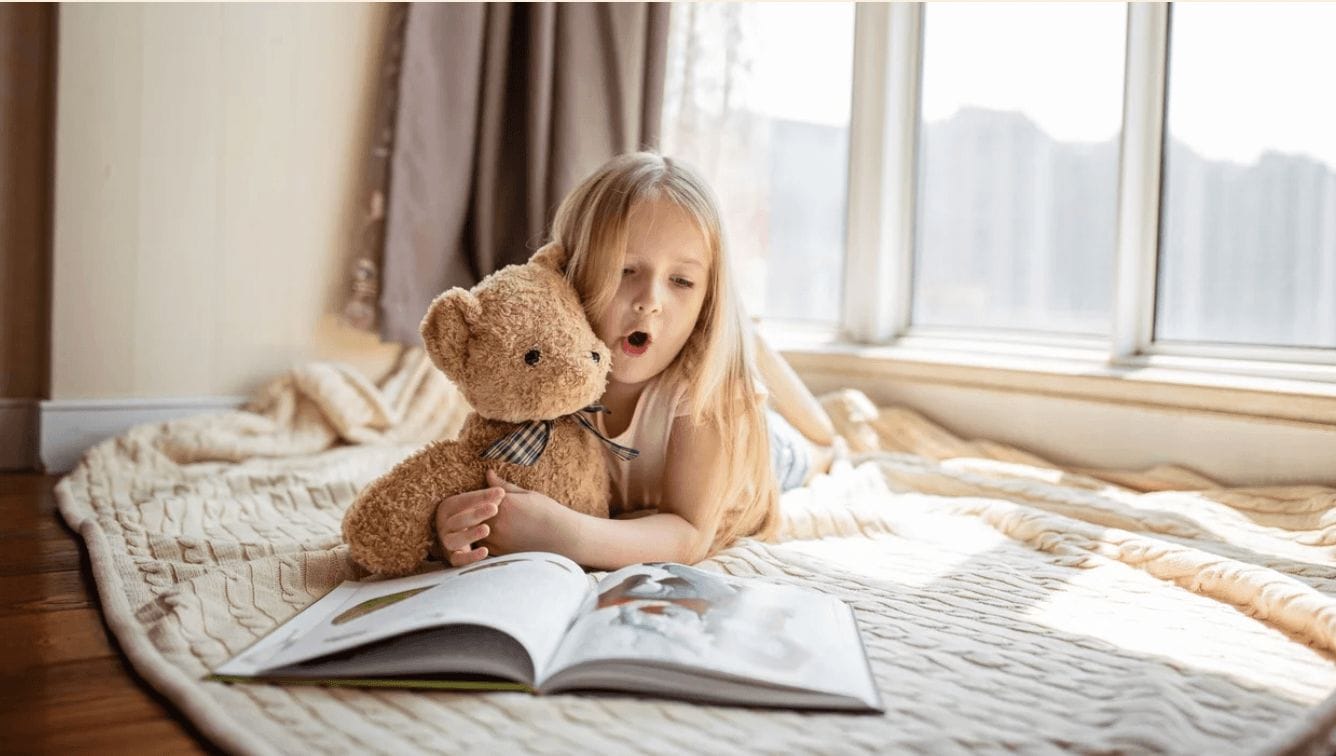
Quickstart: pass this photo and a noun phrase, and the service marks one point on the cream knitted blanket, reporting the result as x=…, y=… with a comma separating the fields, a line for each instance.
x=1006, y=604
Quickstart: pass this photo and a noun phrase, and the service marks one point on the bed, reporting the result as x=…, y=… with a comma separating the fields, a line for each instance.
x=1006, y=604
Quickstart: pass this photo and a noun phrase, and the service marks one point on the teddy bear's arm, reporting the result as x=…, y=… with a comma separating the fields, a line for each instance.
x=389, y=527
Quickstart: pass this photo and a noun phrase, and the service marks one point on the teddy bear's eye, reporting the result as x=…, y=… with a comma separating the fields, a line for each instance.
x=532, y=356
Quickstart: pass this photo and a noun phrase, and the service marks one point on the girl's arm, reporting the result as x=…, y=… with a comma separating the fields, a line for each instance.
x=689, y=512
x=790, y=395
x=682, y=530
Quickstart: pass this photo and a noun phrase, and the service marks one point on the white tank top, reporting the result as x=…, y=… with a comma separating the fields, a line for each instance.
x=638, y=484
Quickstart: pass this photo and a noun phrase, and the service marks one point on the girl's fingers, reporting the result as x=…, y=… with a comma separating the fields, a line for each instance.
x=467, y=518
x=496, y=480
x=461, y=511
x=460, y=502
x=462, y=540
x=461, y=558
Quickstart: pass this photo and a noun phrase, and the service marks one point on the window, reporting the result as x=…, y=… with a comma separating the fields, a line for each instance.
x=1088, y=182
x=757, y=98
x=1248, y=219
x=1018, y=166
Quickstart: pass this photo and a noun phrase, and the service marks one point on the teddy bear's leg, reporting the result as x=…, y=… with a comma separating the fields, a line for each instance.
x=389, y=527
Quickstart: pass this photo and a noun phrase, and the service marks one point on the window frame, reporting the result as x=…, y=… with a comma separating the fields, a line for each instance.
x=881, y=223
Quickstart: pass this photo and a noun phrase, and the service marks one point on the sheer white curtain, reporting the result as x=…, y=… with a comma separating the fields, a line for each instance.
x=757, y=97
x=707, y=122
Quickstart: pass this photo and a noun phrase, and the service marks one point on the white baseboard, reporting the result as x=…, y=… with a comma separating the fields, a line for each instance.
x=18, y=434
x=68, y=427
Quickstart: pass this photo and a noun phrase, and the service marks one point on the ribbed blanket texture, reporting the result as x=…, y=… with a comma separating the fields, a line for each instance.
x=1006, y=604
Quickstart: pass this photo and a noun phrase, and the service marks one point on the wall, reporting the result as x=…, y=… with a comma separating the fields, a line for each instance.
x=209, y=167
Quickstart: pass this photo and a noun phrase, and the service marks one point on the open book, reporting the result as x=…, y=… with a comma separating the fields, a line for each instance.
x=538, y=622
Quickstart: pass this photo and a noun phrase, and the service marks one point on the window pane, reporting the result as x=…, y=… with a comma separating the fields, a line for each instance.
x=757, y=99
x=1017, y=203
x=1248, y=220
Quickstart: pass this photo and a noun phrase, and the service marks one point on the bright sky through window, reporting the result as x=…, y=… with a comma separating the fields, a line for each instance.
x=1251, y=77
x=802, y=54
x=1062, y=84
x=1240, y=69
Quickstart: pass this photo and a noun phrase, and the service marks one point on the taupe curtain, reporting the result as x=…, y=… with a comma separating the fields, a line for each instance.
x=27, y=128
x=501, y=109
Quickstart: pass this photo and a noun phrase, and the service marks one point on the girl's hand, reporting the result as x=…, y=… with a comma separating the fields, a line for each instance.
x=527, y=521
x=460, y=522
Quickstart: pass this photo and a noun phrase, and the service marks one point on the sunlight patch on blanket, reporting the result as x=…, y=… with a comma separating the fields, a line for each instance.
x=899, y=559
x=1193, y=632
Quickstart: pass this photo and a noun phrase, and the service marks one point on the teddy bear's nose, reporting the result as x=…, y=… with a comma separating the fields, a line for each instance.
x=596, y=357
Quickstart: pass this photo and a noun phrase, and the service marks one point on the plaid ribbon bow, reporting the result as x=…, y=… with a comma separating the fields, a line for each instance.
x=525, y=444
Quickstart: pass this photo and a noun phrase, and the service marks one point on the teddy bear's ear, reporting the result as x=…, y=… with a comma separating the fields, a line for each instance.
x=446, y=329
x=553, y=256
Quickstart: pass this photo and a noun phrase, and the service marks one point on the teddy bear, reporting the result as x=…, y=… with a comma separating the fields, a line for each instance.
x=520, y=348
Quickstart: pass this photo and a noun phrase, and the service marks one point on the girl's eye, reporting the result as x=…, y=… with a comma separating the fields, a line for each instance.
x=683, y=282
x=627, y=271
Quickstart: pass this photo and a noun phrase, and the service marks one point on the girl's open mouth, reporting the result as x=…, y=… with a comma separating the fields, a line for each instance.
x=636, y=344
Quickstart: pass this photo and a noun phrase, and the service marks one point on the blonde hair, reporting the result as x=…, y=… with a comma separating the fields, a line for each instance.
x=716, y=363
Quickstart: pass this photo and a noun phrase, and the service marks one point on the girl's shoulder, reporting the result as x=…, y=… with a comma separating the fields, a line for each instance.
x=678, y=401
x=662, y=400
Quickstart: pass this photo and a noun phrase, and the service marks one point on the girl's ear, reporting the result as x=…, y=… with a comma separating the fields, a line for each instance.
x=553, y=256
x=446, y=329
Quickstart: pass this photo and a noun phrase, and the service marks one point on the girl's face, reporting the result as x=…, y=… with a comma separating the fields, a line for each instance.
x=661, y=292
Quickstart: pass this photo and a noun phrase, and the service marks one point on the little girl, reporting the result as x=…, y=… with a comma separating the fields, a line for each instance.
x=648, y=259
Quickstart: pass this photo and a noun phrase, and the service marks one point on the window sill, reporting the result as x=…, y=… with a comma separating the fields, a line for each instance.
x=1070, y=369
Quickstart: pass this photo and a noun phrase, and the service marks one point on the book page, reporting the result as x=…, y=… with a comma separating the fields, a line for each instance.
x=532, y=597
x=671, y=615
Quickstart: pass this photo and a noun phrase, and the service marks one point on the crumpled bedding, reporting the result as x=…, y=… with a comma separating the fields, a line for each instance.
x=1006, y=604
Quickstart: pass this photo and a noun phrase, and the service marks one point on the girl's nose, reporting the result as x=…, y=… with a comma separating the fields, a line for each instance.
x=647, y=302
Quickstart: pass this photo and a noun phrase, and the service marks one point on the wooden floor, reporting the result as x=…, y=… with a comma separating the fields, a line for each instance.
x=65, y=686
